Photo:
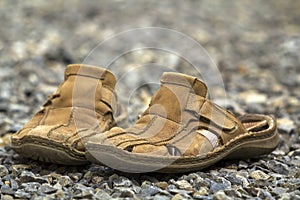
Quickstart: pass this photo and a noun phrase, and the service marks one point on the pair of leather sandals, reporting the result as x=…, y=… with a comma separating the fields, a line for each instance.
x=180, y=131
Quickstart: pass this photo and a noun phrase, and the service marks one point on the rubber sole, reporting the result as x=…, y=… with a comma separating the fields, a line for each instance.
x=48, y=152
x=246, y=146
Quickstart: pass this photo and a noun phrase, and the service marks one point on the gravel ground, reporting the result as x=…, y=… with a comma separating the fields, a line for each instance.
x=255, y=44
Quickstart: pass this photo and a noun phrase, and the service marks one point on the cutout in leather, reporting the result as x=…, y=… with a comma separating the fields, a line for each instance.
x=129, y=148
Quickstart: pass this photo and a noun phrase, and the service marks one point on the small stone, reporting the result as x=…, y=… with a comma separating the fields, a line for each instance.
x=253, y=97
x=161, y=197
x=234, y=180
x=60, y=194
x=13, y=184
x=31, y=187
x=47, y=189
x=149, y=190
x=127, y=193
x=285, y=125
x=102, y=195
x=200, y=193
x=263, y=194
x=183, y=184
x=177, y=197
x=19, y=168
x=163, y=185
x=97, y=179
x=22, y=194
x=215, y=187
x=220, y=195
x=3, y=171
x=278, y=152
x=83, y=191
x=285, y=196
x=74, y=176
x=279, y=167
x=7, y=197
x=88, y=175
x=243, y=165
x=279, y=190
x=5, y=189
x=27, y=176
x=122, y=182
x=179, y=191
x=65, y=181
x=259, y=175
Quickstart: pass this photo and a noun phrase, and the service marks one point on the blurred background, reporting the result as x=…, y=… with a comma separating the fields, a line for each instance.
x=255, y=44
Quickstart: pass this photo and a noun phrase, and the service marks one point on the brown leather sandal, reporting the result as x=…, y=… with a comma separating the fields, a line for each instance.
x=80, y=107
x=182, y=131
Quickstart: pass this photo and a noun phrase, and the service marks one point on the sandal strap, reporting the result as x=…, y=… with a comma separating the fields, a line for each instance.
x=205, y=110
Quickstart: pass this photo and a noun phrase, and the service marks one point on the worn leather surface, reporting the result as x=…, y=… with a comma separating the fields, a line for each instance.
x=180, y=121
x=81, y=106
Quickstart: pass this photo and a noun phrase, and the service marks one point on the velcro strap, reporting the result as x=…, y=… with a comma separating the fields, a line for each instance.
x=210, y=112
x=217, y=116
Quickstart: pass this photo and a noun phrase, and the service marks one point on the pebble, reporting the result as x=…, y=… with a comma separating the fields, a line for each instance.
x=31, y=187
x=64, y=181
x=102, y=195
x=22, y=194
x=279, y=167
x=7, y=197
x=177, y=197
x=27, y=176
x=19, y=168
x=148, y=190
x=201, y=192
x=220, y=195
x=253, y=97
x=183, y=184
x=286, y=125
x=47, y=189
x=163, y=185
x=259, y=175
x=3, y=171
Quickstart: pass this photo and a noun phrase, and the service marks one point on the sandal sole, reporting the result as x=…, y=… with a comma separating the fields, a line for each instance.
x=48, y=152
x=246, y=146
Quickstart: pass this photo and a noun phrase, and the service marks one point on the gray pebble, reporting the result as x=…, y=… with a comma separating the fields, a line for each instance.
x=6, y=197
x=286, y=125
x=31, y=187
x=148, y=190
x=220, y=195
x=22, y=194
x=279, y=167
x=64, y=181
x=161, y=197
x=122, y=182
x=3, y=171
x=5, y=189
x=27, y=176
x=47, y=189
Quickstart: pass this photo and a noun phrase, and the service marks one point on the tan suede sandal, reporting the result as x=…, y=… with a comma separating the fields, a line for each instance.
x=80, y=107
x=182, y=131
